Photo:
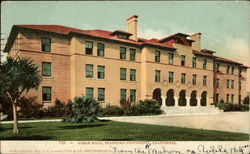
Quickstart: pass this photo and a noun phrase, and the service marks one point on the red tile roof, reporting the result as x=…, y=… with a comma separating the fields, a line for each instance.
x=207, y=50
x=244, y=66
x=202, y=53
x=226, y=60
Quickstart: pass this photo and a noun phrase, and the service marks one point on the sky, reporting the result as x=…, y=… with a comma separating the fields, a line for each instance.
x=224, y=25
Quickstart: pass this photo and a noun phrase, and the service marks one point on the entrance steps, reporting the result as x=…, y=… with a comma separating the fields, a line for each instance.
x=184, y=110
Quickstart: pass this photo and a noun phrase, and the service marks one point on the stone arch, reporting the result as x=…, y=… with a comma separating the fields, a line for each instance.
x=204, y=98
x=182, y=101
x=157, y=95
x=193, y=98
x=170, y=98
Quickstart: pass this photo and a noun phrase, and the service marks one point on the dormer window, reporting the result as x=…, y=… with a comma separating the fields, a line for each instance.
x=121, y=34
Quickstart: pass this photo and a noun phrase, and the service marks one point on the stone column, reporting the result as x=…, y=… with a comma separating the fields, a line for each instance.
x=198, y=101
x=163, y=105
x=176, y=101
x=188, y=101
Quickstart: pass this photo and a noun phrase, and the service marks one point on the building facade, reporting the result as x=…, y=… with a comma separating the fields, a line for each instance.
x=118, y=65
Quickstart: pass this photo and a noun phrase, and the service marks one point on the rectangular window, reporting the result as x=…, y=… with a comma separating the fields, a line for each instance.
x=232, y=84
x=46, y=44
x=204, y=80
x=194, y=79
x=194, y=62
x=101, y=72
x=183, y=78
x=204, y=64
x=217, y=98
x=170, y=58
x=239, y=85
x=132, y=54
x=171, y=77
x=122, y=53
x=101, y=94
x=89, y=71
x=232, y=98
x=217, y=83
x=46, y=93
x=183, y=60
x=232, y=70
x=227, y=98
x=157, y=56
x=240, y=70
x=46, y=69
x=132, y=95
x=89, y=92
x=228, y=68
x=123, y=94
x=123, y=73
x=89, y=48
x=132, y=74
x=228, y=83
x=239, y=99
x=217, y=67
x=100, y=49
x=157, y=76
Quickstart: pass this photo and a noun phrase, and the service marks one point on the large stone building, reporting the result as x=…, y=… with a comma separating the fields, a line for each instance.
x=112, y=66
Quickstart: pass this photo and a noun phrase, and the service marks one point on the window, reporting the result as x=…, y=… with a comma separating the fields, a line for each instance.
x=239, y=85
x=217, y=67
x=132, y=54
x=183, y=78
x=46, y=69
x=217, y=98
x=183, y=60
x=89, y=48
x=132, y=74
x=232, y=70
x=228, y=82
x=89, y=92
x=171, y=77
x=89, y=71
x=157, y=56
x=217, y=83
x=170, y=58
x=101, y=94
x=123, y=94
x=100, y=49
x=228, y=68
x=204, y=64
x=240, y=70
x=101, y=72
x=46, y=44
x=204, y=80
x=123, y=73
x=232, y=84
x=122, y=53
x=232, y=98
x=132, y=95
x=157, y=76
x=239, y=99
x=227, y=98
x=194, y=79
x=194, y=62
x=46, y=92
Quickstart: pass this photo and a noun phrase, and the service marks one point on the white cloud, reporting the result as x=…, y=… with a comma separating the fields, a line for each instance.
x=151, y=33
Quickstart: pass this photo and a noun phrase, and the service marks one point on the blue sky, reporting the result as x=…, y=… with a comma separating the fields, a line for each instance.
x=224, y=25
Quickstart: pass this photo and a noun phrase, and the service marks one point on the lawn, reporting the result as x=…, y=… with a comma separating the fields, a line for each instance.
x=110, y=130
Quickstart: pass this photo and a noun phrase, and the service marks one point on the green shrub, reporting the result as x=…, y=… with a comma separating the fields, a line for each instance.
x=232, y=107
x=84, y=110
x=125, y=104
x=29, y=108
x=6, y=107
x=246, y=100
x=112, y=110
x=59, y=109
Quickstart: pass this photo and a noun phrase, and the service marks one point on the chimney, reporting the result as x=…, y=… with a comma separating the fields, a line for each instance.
x=132, y=27
x=196, y=45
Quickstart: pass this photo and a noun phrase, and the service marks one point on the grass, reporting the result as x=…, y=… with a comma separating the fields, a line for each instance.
x=110, y=130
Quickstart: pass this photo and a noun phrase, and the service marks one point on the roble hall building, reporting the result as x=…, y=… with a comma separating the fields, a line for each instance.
x=119, y=65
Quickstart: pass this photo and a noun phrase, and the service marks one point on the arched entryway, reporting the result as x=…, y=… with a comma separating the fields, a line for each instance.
x=157, y=95
x=182, y=101
x=204, y=98
x=193, y=99
x=170, y=98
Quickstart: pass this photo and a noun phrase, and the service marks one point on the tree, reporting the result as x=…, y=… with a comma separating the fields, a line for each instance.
x=16, y=76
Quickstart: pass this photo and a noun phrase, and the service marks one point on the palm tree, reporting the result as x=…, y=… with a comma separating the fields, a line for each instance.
x=16, y=76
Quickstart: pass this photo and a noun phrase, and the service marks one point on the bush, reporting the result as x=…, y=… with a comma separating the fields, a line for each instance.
x=112, y=110
x=125, y=104
x=83, y=111
x=6, y=107
x=59, y=110
x=232, y=107
x=246, y=100
x=29, y=108
x=147, y=107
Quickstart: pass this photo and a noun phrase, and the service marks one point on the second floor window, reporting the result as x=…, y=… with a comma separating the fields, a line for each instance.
x=204, y=80
x=122, y=53
x=123, y=73
x=101, y=72
x=194, y=62
x=183, y=60
x=217, y=82
x=232, y=70
x=217, y=67
x=132, y=54
x=194, y=79
x=204, y=64
x=89, y=48
x=100, y=49
x=89, y=71
x=170, y=58
x=46, y=44
x=232, y=84
x=228, y=82
x=228, y=68
x=89, y=92
x=157, y=76
x=157, y=56
x=132, y=74
x=183, y=78
x=171, y=77
x=46, y=69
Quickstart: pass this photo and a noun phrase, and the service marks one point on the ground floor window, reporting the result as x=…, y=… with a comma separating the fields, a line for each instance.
x=123, y=94
x=89, y=92
x=101, y=94
x=46, y=93
x=132, y=95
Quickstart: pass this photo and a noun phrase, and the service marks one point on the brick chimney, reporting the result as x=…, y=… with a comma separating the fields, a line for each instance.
x=197, y=44
x=132, y=27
